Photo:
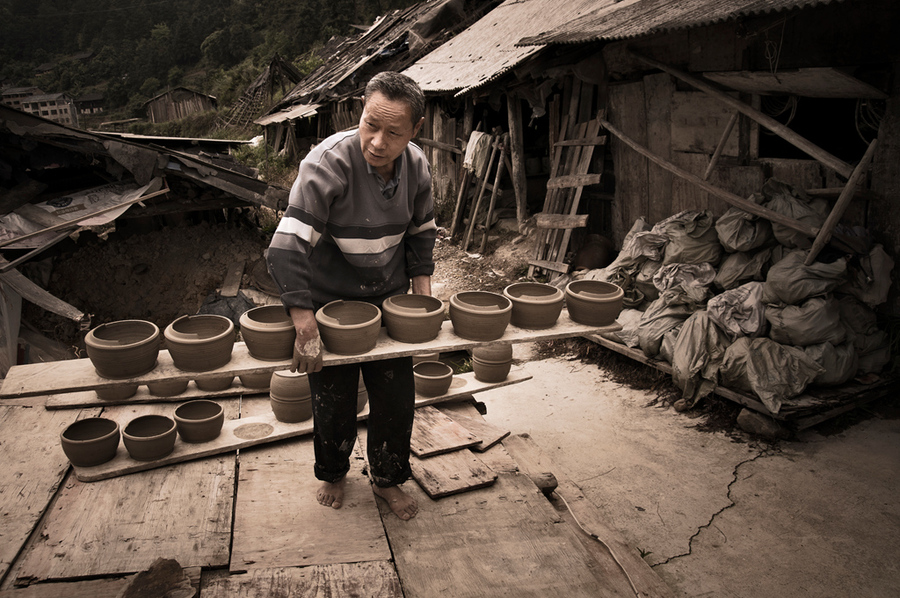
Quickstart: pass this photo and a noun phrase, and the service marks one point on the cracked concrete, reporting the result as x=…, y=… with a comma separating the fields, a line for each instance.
x=718, y=515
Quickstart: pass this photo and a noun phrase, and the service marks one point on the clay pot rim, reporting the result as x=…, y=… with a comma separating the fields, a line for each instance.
x=184, y=419
x=613, y=292
x=458, y=300
x=183, y=338
x=249, y=319
x=390, y=306
x=328, y=321
x=141, y=419
x=100, y=343
x=81, y=423
x=557, y=296
x=447, y=370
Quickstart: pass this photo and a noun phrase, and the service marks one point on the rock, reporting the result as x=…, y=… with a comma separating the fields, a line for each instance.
x=756, y=423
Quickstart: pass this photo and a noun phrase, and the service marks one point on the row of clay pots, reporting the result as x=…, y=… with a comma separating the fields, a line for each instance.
x=95, y=440
x=171, y=388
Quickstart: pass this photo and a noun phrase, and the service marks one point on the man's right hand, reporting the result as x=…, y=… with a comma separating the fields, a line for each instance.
x=307, y=346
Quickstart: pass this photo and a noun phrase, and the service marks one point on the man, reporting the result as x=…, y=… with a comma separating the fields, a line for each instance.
x=359, y=226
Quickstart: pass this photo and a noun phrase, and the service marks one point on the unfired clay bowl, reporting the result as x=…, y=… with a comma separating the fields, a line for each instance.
x=201, y=342
x=167, y=388
x=594, y=302
x=349, y=327
x=215, y=384
x=480, y=315
x=291, y=412
x=123, y=349
x=91, y=441
x=199, y=421
x=535, y=305
x=425, y=357
x=491, y=363
x=268, y=332
x=117, y=393
x=432, y=378
x=289, y=386
x=149, y=437
x=413, y=318
x=260, y=381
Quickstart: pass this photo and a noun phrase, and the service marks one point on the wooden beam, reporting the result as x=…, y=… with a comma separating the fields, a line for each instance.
x=545, y=221
x=600, y=140
x=571, y=181
x=494, y=192
x=517, y=153
x=721, y=145
x=35, y=294
x=440, y=145
x=560, y=267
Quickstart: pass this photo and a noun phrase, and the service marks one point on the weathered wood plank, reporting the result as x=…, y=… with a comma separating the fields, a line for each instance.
x=89, y=398
x=545, y=221
x=434, y=433
x=376, y=579
x=661, y=136
x=232, y=283
x=489, y=434
x=93, y=588
x=548, y=265
x=571, y=181
x=628, y=109
x=451, y=473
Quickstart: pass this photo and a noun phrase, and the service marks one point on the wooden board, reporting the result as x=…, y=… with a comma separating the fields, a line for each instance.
x=122, y=525
x=89, y=398
x=451, y=473
x=434, y=433
x=376, y=579
x=232, y=283
x=33, y=468
x=279, y=523
x=94, y=588
x=78, y=374
x=263, y=429
x=489, y=434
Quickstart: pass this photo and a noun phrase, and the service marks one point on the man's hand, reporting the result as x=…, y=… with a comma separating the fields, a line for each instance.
x=307, y=346
x=421, y=285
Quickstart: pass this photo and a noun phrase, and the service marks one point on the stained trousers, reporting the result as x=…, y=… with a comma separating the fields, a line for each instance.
x=391, y=389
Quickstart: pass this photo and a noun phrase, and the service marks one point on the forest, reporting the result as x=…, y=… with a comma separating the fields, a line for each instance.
x=131, y=50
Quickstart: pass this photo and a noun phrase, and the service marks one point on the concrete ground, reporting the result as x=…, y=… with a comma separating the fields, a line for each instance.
x=719, y=514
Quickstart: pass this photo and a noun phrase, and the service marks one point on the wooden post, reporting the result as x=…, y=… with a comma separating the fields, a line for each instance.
x=460, y=201
x=516, y=147
x=494, y=192
x=477, y=203
x=725, y=135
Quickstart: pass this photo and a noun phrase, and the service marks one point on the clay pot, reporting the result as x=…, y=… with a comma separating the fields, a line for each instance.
x=215, y=384
x=349, y=327
x=260, y=381
x=291, y=412
x=480, y=315
x=425, y=357
x=167, y=388
x=117, y=393
x=91, y=441
x=123, y=349
x=534, y=305
x=432, y=378
x=268, y=332
x=149, y=437
x=289, y=386
x=200, y=343
x=413, y=318
x=593, y=302
x=493, y=353
x=491, y=363
x=199, y=421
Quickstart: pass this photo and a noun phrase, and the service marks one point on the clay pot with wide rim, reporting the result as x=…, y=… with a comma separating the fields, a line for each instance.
x=150, y=437
x=201, y=342
x=167, y=388
x=435, y=356
x=199, y=421
x=594, y=302
x=289, y=386
x=480, y=315
x=432, y=378
x=349, y=327
x=123, y=349
x=91, y=441
x=268, y=332
x=413, y=318
x=491, y=363
x=534, y=305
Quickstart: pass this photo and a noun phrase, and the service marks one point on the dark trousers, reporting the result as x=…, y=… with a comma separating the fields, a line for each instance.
x=391, y=389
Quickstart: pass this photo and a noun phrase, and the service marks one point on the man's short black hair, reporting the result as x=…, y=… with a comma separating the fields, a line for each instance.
x=397, y=87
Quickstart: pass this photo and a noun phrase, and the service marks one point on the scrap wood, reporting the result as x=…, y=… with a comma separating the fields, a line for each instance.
x=489, y=434
x=451, y=473
x=435, y=433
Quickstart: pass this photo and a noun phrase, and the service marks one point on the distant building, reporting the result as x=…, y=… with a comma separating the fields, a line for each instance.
x=177, y=103
x=91, y=103
x=57, y=107
x=13, y=96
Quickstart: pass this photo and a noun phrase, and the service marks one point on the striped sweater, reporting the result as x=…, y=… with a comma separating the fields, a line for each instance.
x=341, y=239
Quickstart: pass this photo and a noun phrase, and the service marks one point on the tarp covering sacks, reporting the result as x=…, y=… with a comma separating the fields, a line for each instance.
x=696, y=357
x=742, y=231
x=793, y=203
x=692, y=238
x=816, y=320
x=771, y=371
x=694, y=279
x=790, y=281
x=739, y=268
x=630, y=320
x=740, y=312
x=870, y=281
x=838, y=362
x=671, y=309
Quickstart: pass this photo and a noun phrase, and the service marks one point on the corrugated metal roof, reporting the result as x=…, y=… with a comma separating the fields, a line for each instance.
x=294, y=112
x=488, y=48
x=633, y=18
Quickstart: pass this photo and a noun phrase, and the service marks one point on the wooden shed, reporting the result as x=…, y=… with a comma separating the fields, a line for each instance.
x=177, y=103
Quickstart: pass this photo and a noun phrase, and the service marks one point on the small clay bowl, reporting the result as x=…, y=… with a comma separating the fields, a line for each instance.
x=432, y=378
x=91, y=441
x=534, y=305
x=291, y=412
x=480, y=315
x=123, y=349
x=167, y=388
x=199, y=421
x=413, y=318
x=260, y=381
x=268, y=332
x=289, y=386
x=593, y=302
x=150, y=437
x=201, y=342
x=214, y=384
x=349, y=327
x=117, y=393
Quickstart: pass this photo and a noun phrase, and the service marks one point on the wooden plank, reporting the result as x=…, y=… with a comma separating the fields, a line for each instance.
x=434, y=433
x=596, y=140
x=659, y=89
x=33, y=468
x=35, y=294
x=814, y=82
x=697, y=123
x=490, y=435
x=93, y=588
x=89, y=398
x=279, y=523
x=642, y=579
x=545, y=221
x=232, y=283
x=263, y=429
x=561, y=267
x=78, y=374
x=377, y=579
x=573, y=180
x=627, y=108
x=123, y=525
x=451, y=473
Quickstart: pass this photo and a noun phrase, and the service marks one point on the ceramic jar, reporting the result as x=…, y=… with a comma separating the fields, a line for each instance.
x=201, y=342
x=123, y=349
x=491, y=363
x=91, y=441
x=167, y=388
x=480, y=315
x=593, y=302
x=432, y=378
x=199, y=421
x=413, y=318
x=268, y=332
x=534, y=305
x=149, y=437
x=349, y=327
x=290, y=396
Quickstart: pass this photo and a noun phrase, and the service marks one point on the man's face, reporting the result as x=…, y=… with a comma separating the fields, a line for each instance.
x=385, y=129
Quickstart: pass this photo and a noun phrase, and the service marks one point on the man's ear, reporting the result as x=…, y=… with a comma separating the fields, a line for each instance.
x=418, y=126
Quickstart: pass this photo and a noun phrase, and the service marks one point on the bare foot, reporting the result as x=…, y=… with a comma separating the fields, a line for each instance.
x=402, y=504
x=331, y=494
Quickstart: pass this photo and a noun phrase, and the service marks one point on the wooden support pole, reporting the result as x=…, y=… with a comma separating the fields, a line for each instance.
x=840, y=205
x=768, y=122
x=517, y=154
x=740, y=202
x=477, y=203
x=716, y=154
x=494, y=192
x=460, y=202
